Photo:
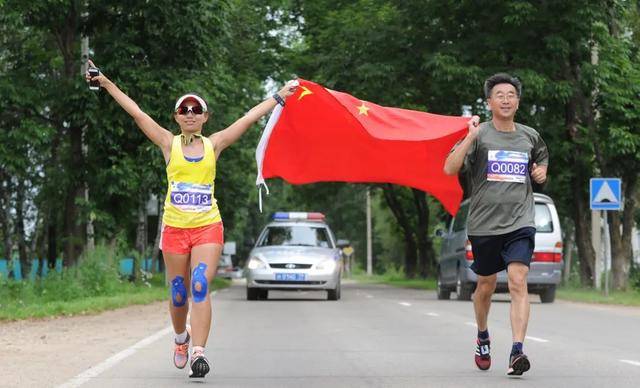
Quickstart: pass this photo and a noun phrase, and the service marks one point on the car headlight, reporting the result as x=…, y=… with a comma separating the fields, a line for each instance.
x=326, y=265
x=255, y=263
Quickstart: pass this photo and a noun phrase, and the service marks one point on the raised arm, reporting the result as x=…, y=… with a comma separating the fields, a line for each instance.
x=231, y=134
x=158, y=135
x=454, y=161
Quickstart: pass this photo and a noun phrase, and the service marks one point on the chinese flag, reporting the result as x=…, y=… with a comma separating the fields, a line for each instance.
x=322, y=135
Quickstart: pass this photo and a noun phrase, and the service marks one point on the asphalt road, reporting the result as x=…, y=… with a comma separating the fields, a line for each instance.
x=379, y=336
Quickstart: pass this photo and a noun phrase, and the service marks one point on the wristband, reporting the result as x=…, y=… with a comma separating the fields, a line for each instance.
x=278, y=99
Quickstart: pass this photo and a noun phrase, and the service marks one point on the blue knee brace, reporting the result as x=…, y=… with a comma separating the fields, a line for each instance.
x=178, y=289
x=198, y=278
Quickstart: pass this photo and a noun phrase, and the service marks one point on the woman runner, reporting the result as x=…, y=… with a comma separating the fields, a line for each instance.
x=192, y=232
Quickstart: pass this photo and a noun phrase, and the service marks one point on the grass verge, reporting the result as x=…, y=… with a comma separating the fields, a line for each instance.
x=589, y=295
x=574, y=294
x=125, y=295
x=396, y=280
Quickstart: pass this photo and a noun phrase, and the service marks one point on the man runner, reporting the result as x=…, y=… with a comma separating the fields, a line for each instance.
x=501, y=157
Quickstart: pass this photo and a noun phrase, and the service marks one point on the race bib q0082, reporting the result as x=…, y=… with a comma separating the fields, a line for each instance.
x=507, y=166
x=190, y=197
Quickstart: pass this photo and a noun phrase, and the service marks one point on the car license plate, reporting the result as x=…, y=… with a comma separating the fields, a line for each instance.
x=295, y=277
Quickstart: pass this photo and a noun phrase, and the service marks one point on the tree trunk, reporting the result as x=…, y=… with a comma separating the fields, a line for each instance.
x=619, y=263
x=410, y=259
x=141, y=238
x=73, y=230
x=155, y=256
x=582, y=223
x=581, y=212
x=52, y=243
x=426, y=255
x=568, y=253
x=621, y=251
x=25, y=261
x=5, y=217
x=37, y=242
x=68, y=39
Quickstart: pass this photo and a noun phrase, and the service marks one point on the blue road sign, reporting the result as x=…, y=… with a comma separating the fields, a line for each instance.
x=605, y=193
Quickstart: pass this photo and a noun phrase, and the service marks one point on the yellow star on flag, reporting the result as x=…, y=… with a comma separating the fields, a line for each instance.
x=305, y=92
x=363, y=109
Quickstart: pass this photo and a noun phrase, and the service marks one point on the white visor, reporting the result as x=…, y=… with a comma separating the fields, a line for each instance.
x=187, y=96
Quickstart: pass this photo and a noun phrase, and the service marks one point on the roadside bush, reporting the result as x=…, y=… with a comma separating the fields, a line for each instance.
x=20, y=292
x=98, y=272
x=392, y=273
x=96, y=275
x=55, y=286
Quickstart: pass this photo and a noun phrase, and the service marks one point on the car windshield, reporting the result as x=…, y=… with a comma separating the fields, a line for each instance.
x=297, y=235
x=544, y=224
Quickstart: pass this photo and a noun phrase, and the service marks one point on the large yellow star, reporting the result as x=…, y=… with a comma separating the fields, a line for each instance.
x=305, y=91
x=363, y=109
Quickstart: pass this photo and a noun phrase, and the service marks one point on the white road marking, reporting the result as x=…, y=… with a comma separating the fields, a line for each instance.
x=116, y=358
x=368, y=296
x=536, y=339
x=636, y=363
x=470, y=324
x=432, y=314
x=404, y=304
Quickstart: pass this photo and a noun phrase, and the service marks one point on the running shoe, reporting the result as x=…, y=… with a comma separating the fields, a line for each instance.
x=199, y=365
x=518, y=364
x=181, y=353
x=483, y=354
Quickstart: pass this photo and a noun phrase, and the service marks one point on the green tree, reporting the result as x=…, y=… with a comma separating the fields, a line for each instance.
x=223, y=50
x=361, y=47
x=617, y=76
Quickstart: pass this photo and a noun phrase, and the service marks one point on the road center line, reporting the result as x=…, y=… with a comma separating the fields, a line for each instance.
x=404, y=304
x=116, y=358
x=631, y=362
x=536, y=339
x=432, y=314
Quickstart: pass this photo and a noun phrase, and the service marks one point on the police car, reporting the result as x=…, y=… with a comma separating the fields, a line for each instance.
x=295, y=251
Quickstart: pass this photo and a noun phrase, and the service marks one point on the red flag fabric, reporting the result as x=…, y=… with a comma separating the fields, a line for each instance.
x=322, y=135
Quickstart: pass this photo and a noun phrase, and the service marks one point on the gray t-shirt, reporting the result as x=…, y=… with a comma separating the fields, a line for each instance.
x=499, y=165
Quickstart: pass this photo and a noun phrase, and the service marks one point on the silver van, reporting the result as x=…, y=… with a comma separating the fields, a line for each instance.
x=454, y=274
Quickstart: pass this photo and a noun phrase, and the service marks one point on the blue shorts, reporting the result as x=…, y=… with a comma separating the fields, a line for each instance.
x=492, y=254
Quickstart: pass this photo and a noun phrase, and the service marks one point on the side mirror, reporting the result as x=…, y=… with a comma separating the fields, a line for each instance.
x=343, y=243
x=440, y=233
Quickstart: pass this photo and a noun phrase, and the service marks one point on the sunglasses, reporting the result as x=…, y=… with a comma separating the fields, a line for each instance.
x=196, y=110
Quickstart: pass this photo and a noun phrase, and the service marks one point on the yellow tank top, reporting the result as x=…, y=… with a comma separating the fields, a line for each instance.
x=190, y=201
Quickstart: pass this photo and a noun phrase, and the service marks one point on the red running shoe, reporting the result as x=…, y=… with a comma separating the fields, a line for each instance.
x=483, y=354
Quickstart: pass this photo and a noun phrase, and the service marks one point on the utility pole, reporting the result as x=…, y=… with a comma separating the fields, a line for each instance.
x=607, y=252
x=369, y=242
x=596, y=238
x=84, y=46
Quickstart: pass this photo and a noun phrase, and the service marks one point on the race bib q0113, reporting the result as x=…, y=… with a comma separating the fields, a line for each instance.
x=190, y=197
x=507, y=166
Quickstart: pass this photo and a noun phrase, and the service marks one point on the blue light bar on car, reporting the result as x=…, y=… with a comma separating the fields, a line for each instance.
x=285, y=216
